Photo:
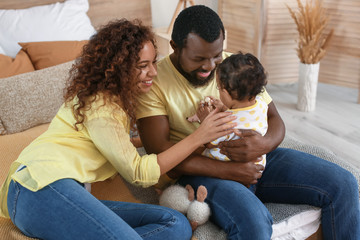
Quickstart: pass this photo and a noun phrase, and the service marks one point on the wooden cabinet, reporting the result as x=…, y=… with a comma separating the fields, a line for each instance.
x=265, y=28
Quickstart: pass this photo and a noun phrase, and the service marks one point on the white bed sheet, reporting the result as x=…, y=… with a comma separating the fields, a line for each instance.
x=297, y=227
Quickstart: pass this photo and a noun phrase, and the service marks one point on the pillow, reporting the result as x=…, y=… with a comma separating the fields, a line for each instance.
x=52, y=22
x=20, y=64
x=2, y=129
x=33, y=98
x=47, y=54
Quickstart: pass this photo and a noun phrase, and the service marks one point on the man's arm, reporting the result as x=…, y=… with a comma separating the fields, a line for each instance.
x=276, y=129
x=155, y=136
x=252, y=145
x=154, y=132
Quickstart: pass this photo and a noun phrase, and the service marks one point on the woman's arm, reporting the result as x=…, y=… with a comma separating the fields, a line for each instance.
x=155, y=135
x=214, y=126
x=113, y=141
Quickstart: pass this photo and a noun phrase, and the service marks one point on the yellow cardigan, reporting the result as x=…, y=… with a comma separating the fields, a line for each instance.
x=100, y=149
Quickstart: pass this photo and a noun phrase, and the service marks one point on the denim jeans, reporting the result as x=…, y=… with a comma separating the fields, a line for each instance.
x=65, y=210
x=290, y=177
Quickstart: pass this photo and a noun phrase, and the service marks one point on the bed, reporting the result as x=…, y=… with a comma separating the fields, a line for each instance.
x=32, y=77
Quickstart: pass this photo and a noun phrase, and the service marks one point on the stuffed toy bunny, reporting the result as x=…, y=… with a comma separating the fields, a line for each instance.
x=197, y=211
x=183, y=200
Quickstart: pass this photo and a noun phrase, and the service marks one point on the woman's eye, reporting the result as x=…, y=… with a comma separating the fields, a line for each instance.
x=142, y=66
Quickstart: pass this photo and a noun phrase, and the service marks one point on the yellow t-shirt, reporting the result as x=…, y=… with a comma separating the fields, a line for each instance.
x=99, y=150
x=172, y=95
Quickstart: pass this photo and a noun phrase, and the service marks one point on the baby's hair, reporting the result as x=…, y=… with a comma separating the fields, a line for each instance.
x=242, y=76
x=197, y=19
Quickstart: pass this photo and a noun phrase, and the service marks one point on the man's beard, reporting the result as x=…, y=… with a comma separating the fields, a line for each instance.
x=193, y=80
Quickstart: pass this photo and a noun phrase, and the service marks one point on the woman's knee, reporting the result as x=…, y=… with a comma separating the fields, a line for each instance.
x=178, y=225
x=182, y=228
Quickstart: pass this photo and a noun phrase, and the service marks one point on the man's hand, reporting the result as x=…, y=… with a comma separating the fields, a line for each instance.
x=251, y=144
x=249, y=147
x=210, y=145
x=245, y=173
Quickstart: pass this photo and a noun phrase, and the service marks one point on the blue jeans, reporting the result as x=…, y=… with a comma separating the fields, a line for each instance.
x=65, y=210
x=289, y=177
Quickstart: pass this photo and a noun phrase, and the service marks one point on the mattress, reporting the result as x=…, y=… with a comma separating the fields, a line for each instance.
x=294, y=221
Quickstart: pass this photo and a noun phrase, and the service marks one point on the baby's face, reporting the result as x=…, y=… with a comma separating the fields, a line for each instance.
x=224, y=95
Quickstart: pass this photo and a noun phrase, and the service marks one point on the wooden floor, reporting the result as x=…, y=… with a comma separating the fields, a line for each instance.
x=335, y=123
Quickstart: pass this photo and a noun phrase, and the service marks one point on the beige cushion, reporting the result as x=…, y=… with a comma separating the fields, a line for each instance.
x=2, y=129
x=33, y=98
x=10, y=147
x=8, y=231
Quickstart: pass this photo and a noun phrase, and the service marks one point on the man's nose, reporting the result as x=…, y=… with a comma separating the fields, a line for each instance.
x=209, y=65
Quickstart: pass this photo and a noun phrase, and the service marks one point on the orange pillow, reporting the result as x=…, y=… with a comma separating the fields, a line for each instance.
x=47, y=54
x=14, y=66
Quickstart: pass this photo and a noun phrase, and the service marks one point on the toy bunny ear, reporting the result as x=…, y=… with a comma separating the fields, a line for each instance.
x=191, y=192
x=201, y=193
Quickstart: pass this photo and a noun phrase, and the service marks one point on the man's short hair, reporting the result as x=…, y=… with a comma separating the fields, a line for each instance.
x=197, y=19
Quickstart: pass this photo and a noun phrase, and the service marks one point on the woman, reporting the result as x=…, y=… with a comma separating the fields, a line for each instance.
x=88, y=141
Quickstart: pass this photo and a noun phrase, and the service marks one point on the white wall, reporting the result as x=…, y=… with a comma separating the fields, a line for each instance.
x=163, y=10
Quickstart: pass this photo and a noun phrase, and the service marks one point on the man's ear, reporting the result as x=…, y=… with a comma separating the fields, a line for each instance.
x=173, y=46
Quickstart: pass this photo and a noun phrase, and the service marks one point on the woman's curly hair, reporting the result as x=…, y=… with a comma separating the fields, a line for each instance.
x=108, y=65
x=242, y=76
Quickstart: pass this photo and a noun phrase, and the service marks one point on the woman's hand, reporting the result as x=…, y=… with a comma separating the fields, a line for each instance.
x=215, y=125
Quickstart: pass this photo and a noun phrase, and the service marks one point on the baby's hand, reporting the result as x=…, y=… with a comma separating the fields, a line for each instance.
x=205, y=107
x=217, y=103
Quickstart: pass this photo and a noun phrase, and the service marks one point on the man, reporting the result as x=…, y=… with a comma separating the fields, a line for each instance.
x=187, y=76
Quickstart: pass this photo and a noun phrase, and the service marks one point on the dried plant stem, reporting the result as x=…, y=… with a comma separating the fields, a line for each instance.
x=311, y=21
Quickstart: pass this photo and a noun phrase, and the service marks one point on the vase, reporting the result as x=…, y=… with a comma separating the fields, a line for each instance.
x=308, y=81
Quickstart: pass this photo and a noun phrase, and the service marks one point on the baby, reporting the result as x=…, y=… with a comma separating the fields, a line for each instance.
x=241, y=79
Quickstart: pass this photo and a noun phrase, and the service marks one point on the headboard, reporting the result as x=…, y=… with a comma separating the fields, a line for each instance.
x=100, y=12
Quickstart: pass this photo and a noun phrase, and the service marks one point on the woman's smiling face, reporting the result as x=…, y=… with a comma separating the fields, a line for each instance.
x=146, y=67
